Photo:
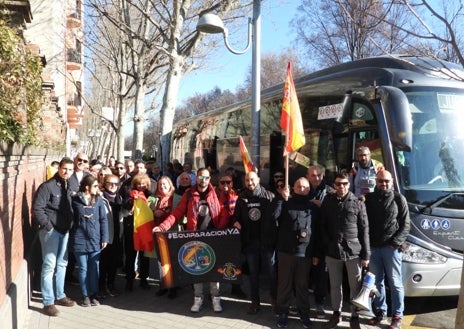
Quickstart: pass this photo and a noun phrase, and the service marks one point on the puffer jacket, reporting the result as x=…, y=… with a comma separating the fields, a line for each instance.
x=256, y=201
x=90, y=227
x=344, y=228
x=389, y=221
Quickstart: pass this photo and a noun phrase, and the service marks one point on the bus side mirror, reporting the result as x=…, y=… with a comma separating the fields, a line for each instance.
x=397, y=115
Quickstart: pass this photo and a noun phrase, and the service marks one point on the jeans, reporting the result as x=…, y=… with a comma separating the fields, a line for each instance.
x=88, y=263
x=386, y=261
x=54, y=261
x=255, y=255
x=213, y=288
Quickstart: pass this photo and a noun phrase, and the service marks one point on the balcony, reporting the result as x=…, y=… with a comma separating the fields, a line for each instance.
x=73, y=60
x=74, y=20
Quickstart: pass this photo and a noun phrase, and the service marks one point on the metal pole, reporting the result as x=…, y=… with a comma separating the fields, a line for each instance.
x=256, y=85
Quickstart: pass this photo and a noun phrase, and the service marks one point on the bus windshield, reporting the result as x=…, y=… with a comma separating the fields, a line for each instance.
x=434, y=168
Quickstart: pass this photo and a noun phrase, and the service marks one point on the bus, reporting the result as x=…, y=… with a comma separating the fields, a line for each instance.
x=408, y=110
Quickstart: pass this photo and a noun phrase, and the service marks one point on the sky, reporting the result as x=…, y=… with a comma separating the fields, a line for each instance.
x=228, y=70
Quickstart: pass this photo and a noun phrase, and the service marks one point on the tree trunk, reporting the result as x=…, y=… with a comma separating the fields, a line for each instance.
x=139, y=120
x=168, y=108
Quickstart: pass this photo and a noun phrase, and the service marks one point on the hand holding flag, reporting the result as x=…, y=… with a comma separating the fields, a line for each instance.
x=290, y=121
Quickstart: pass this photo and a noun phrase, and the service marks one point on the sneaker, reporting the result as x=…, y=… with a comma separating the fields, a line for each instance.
x=94, y=301
x=65, y=301
x=396, y=323
x=51, y=310
x=320, y=311
x=86, y=302
x=377, y=319
x=282, y=322
x=217, y=304
x=333, y=322
x=253, y=308
x=354, y=323
x=306, y=321
x=197, y=303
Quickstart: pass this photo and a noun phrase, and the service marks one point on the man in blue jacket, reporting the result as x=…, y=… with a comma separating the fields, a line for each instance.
x=53, y=213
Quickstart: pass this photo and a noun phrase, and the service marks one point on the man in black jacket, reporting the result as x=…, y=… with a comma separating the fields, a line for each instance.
x=293, y=250
x=345, y=241
x=389, y=225
x=253, y=217
x=53, y=213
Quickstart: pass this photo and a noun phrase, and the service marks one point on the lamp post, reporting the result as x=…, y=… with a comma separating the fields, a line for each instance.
x=210, y=23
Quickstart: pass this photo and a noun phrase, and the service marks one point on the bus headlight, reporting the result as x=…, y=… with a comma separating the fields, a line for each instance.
x=415, y=254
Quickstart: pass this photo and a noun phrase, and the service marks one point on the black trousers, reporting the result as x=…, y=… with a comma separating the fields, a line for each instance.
x=292, y=276
x=131, y=254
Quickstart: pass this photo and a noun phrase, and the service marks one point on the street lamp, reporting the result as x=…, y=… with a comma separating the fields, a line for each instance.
x=210, y=23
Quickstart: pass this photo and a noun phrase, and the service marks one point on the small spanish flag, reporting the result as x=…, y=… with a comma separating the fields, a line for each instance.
x=247, y=163
x=290, y=121
x=143, y=223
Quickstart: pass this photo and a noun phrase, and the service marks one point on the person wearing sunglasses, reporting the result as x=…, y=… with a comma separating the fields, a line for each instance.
x=111, y=256
x=202, y=208
x=88, y=237
x=389, y=225
x=81, y=169
x=227, y=198
x=344, y=231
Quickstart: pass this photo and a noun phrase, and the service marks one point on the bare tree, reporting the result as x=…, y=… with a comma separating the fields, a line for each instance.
x=436, y=28
x=156, y=45
x=336, y=31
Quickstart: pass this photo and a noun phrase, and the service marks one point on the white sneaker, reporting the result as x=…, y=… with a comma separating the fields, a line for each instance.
x=197, y=303
x=217, y=304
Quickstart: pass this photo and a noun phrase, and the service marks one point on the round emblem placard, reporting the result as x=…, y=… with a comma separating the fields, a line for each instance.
x=196, y=257
x=254, y=214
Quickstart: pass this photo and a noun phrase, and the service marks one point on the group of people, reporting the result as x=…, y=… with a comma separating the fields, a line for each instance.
x=314, y=229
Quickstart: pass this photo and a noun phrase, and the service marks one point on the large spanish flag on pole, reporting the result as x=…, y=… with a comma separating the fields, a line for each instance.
x=290, y=121
x=247, y=163
x=143, y=222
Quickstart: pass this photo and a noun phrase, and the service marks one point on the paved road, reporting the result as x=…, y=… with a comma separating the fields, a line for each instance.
x=142, y=309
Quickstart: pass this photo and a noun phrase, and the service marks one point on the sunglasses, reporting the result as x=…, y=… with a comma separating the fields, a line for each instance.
x=224, y=182
x=379, y=180
x=82, y=160
x=204, y=177
x=341, y=183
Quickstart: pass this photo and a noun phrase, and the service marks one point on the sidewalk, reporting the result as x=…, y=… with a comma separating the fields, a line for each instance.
x=143, y=309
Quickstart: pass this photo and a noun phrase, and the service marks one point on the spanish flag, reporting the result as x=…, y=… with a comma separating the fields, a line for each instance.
x=247, y=163
x=143, y=222
x=290, y=121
